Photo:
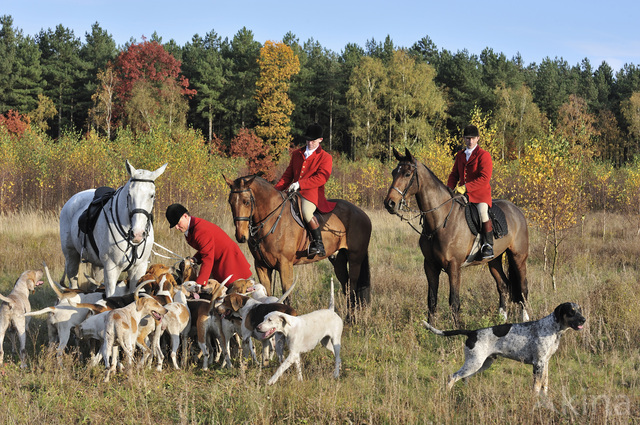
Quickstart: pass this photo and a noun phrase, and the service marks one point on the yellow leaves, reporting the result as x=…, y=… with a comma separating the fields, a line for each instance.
x=278, y=64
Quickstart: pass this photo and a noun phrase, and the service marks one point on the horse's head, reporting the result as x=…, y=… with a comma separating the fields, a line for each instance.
x=242, y=203
x=404, y=182
x=140, y=199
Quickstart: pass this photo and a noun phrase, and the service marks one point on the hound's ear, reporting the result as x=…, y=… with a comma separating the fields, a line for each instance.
x=237, y=301
x=285, y=320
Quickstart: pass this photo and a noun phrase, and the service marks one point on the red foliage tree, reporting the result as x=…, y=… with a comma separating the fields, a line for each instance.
x=15, y=123
x=249, y=146
x=149, y=62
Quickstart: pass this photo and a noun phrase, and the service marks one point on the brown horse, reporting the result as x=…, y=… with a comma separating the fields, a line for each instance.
x=263, y=218
x=446, y=241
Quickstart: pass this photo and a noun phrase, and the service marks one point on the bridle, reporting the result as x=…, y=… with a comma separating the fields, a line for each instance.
x=256, y=226
x=404, y=205
x=127, y=235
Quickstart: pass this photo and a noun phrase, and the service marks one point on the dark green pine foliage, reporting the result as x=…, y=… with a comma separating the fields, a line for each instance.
x=64, y=71
x=240, y=89
x=205, y=67
x=20, y=71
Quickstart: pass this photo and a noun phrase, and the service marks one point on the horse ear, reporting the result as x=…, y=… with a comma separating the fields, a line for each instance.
x=397, y=154
x=130, y=168
x=159, y=171
x=250, y=180
x=229, y=181
x=408, y=154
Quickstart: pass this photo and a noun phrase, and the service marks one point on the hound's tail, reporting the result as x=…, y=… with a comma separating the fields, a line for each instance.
x=332, y=304
x=53, y=285
x=286, y=294
x=445, y=333
x=7, y=300
x=39, y=312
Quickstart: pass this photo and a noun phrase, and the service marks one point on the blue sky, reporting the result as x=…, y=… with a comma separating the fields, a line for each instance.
x=572, y=30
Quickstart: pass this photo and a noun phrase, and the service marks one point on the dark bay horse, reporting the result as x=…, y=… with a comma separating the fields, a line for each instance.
x=446, y=240
x=262, y=217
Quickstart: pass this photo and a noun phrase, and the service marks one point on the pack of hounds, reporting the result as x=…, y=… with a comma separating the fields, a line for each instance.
x=165, y=303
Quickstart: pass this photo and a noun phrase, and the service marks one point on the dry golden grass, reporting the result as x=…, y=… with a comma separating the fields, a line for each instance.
x=393, y=370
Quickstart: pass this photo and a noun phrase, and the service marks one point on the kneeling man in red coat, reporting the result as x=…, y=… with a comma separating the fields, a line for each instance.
x=220, y=258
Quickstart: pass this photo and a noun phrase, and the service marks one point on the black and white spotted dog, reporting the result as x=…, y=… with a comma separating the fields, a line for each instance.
x=530, y=342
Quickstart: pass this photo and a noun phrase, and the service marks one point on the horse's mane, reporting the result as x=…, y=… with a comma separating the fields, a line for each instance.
x=413, y=160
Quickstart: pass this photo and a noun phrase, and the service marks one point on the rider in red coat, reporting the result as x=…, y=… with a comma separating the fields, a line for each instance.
x=471, y=174
x=308, y=171
x=219, y=257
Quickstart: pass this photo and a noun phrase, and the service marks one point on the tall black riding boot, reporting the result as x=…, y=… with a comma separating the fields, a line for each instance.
x=316, y=247
x=487, y=246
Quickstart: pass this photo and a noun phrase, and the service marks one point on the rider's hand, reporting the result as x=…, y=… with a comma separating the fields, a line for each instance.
x=293, y=187
x=460, y=189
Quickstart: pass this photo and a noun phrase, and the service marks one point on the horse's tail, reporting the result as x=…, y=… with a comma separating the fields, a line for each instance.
x=363, y=287
x=514, y=281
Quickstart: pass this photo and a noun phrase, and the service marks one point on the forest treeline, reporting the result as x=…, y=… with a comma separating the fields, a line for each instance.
x=564, y=139
x=367, y=98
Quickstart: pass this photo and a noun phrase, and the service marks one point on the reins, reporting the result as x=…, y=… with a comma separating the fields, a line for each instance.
x=421, y=214
x=256, y=226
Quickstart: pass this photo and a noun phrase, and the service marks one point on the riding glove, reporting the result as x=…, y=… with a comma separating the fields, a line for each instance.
x=460, y=189
x=293, y=187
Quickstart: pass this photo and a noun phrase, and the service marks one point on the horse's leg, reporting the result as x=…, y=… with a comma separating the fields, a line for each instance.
x=264, y=277
x=111, y=275
x=433, y=278
x=339, y=263
x=286, y=277
x=495, y=267
x=360, y=278
x=134, y=274
x=518, y=280
x=71, y=267
x=453, y=270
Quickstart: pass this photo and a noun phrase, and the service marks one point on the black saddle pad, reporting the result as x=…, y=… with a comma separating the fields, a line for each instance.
x=496, y=215
x=88, y=218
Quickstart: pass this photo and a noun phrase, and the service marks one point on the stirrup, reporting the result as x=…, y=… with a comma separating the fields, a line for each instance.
x=486, y=251
x=316, y=248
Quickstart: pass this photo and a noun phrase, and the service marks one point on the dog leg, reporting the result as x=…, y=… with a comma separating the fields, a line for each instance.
x=538, y=377
x=292, y=358
x=470, y=367
x=336, y=352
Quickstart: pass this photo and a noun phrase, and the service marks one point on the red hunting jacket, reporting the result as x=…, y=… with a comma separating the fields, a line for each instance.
x=312, y=174
x=475, y=174
x=218, y=254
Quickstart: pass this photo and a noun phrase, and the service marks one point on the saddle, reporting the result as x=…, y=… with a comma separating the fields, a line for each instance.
x=296, y=212
x=496, y=215
x=88, y=218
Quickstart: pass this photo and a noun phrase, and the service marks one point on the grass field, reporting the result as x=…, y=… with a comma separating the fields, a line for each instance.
x=394, y=371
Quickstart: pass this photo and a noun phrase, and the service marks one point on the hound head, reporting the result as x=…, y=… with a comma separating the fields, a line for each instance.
x=32, y=279
x=273, y=322
x=569, y=316
x=230, y=304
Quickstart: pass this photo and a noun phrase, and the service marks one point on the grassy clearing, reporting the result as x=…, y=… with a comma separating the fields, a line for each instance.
x=393, y=370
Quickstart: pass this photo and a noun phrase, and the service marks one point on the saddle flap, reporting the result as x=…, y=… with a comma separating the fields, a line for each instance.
x=496, y=215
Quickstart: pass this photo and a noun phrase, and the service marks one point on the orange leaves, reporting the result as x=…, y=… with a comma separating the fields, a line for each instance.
x=15, y=123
